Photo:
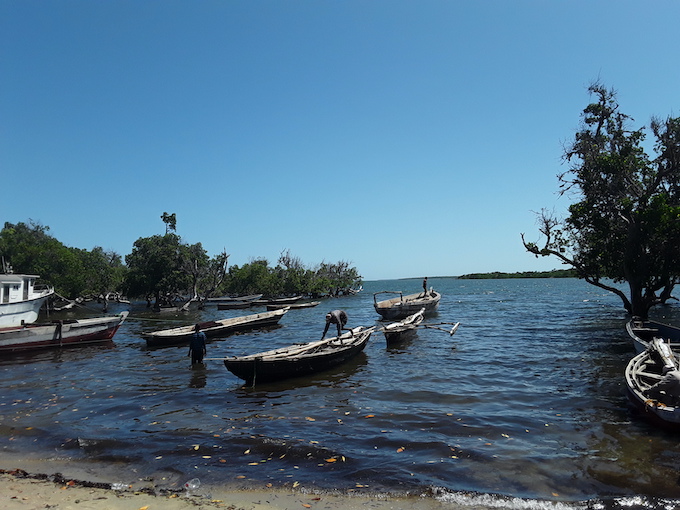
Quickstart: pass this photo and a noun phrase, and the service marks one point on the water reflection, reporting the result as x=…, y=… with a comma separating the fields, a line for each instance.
x=199, y=376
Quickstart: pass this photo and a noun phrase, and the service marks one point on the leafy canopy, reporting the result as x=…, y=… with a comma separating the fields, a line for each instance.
x=625, y=223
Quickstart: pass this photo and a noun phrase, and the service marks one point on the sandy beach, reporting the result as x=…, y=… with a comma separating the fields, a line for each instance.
x=20, y=490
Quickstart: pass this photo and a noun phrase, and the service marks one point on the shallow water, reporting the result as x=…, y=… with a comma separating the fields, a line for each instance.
x=524, y=405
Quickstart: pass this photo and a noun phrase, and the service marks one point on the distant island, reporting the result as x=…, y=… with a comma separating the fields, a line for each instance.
x=555, y=273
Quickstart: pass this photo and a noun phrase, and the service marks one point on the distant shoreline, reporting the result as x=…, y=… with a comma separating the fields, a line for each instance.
x=555, y=273
x=498, y=275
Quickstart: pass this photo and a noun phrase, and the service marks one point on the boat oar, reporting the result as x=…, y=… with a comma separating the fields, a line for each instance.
x=436, y=326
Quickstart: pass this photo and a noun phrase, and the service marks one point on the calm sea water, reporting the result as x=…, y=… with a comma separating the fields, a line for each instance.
x=523, y=406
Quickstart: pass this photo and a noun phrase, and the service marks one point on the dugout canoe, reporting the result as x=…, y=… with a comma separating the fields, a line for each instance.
x=211, y=329
x=400, y=307
x=299, y=359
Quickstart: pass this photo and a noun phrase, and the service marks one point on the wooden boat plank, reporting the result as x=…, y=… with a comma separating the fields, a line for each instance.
x=298, y=359
x=402, y=306
x=215, y=328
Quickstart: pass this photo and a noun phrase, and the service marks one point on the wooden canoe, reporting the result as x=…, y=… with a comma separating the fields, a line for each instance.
x=228, y=299
x=233, y=305
x=398, y=331
x=400, y=307
x=294, y=306
x=218, y=328
x=642, y=373
x=278, y=301
x=642, y=333
x=299, y=359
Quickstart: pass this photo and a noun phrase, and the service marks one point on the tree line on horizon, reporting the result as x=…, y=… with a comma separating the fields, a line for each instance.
x=498, y=275
x=162, y=269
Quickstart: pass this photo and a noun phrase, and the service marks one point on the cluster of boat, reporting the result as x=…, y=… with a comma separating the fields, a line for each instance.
x=311, y=357
x=21, y=300
x=653, y=374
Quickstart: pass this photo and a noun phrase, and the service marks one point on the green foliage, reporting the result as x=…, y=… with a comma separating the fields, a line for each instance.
x=163, y=268
x=170, y=221
x=155, y=267
x=290, y=277
x=73, y=272
x=625, y=223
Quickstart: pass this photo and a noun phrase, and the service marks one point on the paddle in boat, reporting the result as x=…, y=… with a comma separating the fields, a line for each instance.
x=299, y=359
x=62, y=333
x=653, y=384
x=224, y=327
x=400, y=307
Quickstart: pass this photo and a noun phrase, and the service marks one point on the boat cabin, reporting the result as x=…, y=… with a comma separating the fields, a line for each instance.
x=15, y=288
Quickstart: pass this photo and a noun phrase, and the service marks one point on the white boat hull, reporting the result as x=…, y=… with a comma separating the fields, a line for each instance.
x=13, y=314
x=59, y=333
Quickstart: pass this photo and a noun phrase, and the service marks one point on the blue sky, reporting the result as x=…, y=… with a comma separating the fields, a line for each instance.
x=408, y=138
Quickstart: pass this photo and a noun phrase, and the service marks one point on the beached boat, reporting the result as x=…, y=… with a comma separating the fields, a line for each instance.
x=62, y=333
x=642, y=333
x=400, y=307
x=398, y=331
x=21, y=298
x=294, y=306
x=299, y=359
x=222, y=327
x=642, y=373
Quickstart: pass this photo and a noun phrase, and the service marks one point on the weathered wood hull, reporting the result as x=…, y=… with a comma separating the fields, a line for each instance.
x=401, y=307
x=642, y=333
x=403, y=330
x=234, y=305
x=294, y=306
x=226, y=299
x=279, y=301
x=278, y=365
x=225, y=327
x=641, y=373
x=59, y=334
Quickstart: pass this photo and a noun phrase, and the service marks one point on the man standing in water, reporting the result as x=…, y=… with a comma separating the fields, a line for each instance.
x=197, y=347
x=337, y=317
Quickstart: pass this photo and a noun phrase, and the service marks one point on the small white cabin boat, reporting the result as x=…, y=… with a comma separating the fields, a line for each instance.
x=21, y=298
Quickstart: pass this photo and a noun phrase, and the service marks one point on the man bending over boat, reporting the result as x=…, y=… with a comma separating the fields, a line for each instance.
x=337, y=317
x=197, y=346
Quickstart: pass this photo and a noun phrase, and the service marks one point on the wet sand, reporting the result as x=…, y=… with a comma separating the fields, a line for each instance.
x=24, y=490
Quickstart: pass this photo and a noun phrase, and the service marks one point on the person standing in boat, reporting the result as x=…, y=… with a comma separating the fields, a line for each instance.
x=425, y=287
x=337, y=317
x=197, y=347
